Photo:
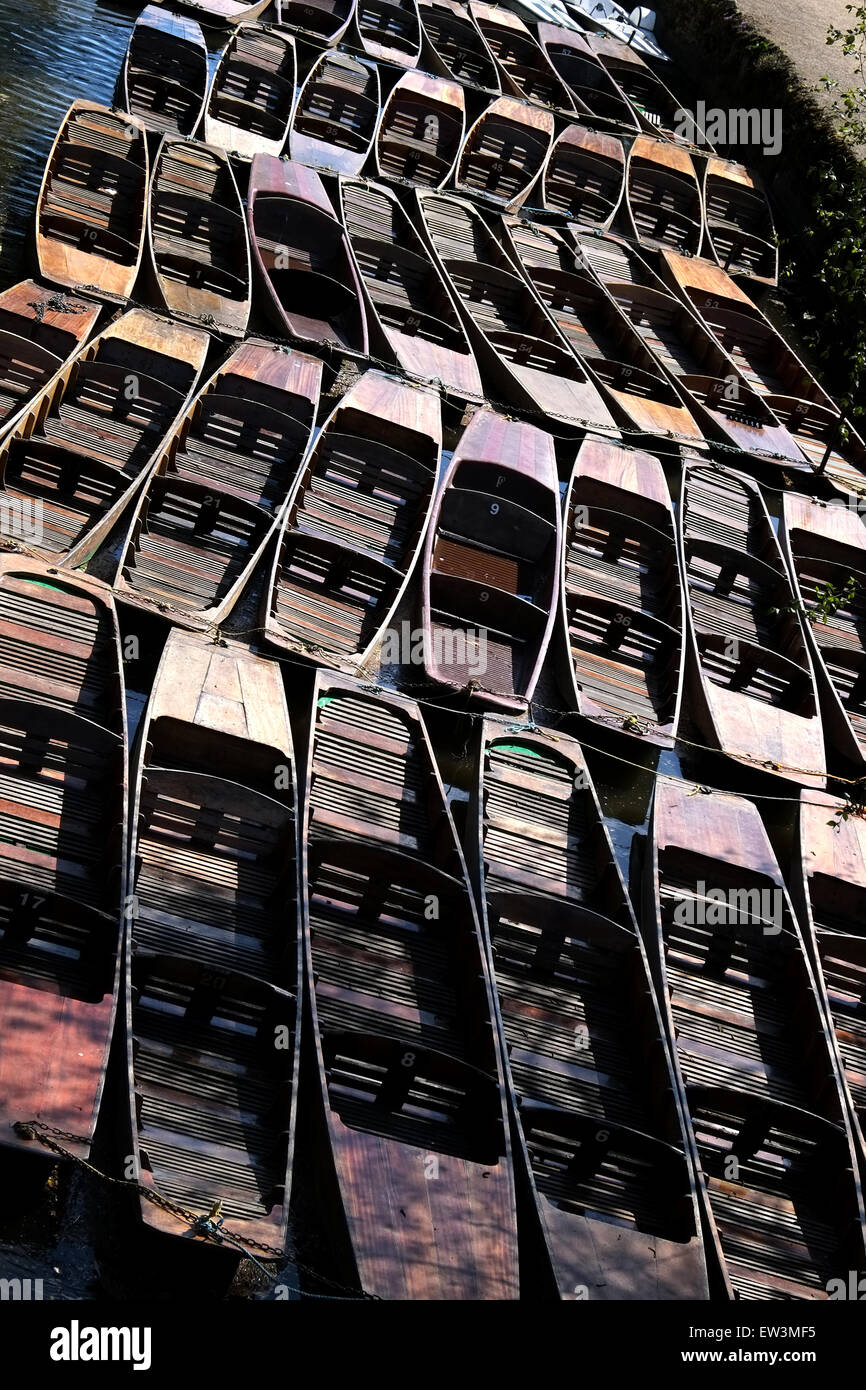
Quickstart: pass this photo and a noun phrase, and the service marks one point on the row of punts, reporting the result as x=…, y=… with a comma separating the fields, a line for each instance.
x=633, y=604
x=481, y=1026
x=522, y=1072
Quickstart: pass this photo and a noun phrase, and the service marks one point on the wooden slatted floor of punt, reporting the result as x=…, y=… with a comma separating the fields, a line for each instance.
x=744, y=616
x=366, y=771
x=401, y=1007
x=94, y=190
x=337, y=106
x=166, y=78
x=62, y=845
x=596, y=1101
x=214, y=500
x=102, y=427
x=458, y=45
x=500, y=157
x=751, y=1045
x=400, y=280
x=209, y=1083
x=256, y=84
x=56, y=647
x=215, y=960
x=539, y=834
x=390, y=25
x=622, y=602
x=839, y=635
x=355, y=524
x=833, y=899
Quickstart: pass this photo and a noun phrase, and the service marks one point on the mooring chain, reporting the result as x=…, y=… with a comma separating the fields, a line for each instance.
x=211, y=1226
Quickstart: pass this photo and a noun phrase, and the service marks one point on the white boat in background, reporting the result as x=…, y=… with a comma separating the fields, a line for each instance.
x=634, y=28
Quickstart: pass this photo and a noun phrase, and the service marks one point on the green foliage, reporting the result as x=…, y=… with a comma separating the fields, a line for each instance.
x=829, y=599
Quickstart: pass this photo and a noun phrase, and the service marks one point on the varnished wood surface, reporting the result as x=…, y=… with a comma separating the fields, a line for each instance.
x=223, y=11
x=764, y=1084
x=521, y=346
x=40, y=330
x=421, y=130
x=186, y=224
x=203, y=517
x=752, y=678
x=444, y=1229
x=456, y=45
x=595, y=164
x=355, y=522
x=301, y=255
x=622, y=603
x=62, y=866
x=592, y=87
x=491, y=562
x=484, y=151
x=336, y=112
x=525, y=70
x=213, y=1099
x=825, y=545
x=93, y=195
x=323, y=24
x=96, y=424
x=408, y=299
x=253, y=93
x=165, y=75
x=568, y=964
x=663, y=196
x=389, y=31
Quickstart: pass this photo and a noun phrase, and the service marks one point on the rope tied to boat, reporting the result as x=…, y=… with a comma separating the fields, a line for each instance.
x=210, y=1225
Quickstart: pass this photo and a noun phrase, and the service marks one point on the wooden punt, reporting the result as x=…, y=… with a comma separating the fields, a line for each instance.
x=751, y=1044
x=655, y=106
x=456, y=46
x=584, y=177
x=62, y=848
x=825, y=547
x=504, y=153
x=740, y=229
x=420, y=132
x=199, y=249
x=214, y=961
x=389, y=31
x=716, y=393
x=40, y=330
x=79, y=451
x=403, y=1017
x=515, y=339
x=638, y=389
x=253, y=93
x=355, y=523
x=318, y=22
x=217, y=491
x=525, y=69
x=622, y=607
x=757, y=349
x=92, y=208
x=312, y=290
x=830, y=894
x=164, y=78
x=335, y=116
x=409, y=303
x=491, y=564
x=590, y=85
x=830, y=444
x=663, y=196
x=222, y=12
x=598, y=1118
x=753, y=684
